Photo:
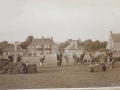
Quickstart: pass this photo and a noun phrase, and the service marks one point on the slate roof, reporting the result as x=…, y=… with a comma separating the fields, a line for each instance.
x=12, y=49
x=47, y=41
x=6, y=49
x=116, y=37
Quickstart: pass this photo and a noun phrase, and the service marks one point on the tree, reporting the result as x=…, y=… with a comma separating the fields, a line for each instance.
x=88, y=44
x=3, y=45
x=27, y=42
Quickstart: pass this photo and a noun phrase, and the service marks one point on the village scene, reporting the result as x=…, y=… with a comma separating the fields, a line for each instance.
x=56, y=60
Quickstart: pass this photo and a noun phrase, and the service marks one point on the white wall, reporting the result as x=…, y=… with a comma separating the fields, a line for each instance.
x=110, y=43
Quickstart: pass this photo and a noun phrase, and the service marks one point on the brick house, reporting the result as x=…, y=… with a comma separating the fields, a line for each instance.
x=74, y=48
x=43, y=45
x=16, y=49
x=114, y=41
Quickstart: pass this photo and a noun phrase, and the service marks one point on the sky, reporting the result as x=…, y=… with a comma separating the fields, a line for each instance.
x=60, y=19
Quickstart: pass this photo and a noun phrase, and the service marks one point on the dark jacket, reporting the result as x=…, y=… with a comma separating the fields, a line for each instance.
x=82, y=56
x=66, y=57
x=59, y=56
x=74, y=57
x=42, y=59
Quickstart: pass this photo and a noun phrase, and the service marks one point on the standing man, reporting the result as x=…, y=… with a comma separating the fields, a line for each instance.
x=91, y=59
x=111, y=61
x=66, y=58
x=75, y=59
x=81, y=58
x=42, y=61
x=59, y=59
x=102, y=60
x=12, y=58
x=19, y=58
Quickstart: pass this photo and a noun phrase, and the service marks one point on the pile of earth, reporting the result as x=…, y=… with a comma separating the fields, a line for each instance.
x=7, y=67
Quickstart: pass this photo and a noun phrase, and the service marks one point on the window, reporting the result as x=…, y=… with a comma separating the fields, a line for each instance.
x=54, y=46
x=38, y=46
x=31, y=51
x=46, y=46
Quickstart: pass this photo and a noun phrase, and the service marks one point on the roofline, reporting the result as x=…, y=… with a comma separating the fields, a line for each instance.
x=116, y=41
x=115, y=33
x=43, y=44
x=74, y=49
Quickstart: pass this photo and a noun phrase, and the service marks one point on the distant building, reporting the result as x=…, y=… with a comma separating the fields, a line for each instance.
x=16, y=49
x=43, y=45
x=74, y=48
x=114, y=41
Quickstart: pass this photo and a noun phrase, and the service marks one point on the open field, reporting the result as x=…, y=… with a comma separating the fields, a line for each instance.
x=71, y=76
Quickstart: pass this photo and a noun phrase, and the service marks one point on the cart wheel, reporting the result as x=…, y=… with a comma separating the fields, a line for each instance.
x=92, y=70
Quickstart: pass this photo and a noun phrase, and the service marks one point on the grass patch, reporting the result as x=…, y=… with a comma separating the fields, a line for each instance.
x=71, y=76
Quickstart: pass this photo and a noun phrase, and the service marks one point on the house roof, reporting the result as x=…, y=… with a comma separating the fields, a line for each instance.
x=71, y=46
x=116, y=37
x=6, y=49
x=47, y=41
x=12, y=49
x=78, y=47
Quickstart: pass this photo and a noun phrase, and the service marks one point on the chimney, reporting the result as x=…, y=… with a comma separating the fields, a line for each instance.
x=16, y=44
x=75, y=44
x=42, y=39
x=111, y=32
x=52, y=38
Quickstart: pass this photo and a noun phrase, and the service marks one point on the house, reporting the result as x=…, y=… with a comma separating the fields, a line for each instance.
x=16, y=49
x=74, y=48
x=43, y=45
x=113, y=42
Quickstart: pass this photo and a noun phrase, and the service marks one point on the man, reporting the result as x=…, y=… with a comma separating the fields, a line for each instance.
x=59, y=59
x=66, y=58
x=91, y=59
x=75, y=59
x=42, y=61
x=110, y=61
x=102, y=60
x=82, y=58
x=10, y=57
x=19, y=58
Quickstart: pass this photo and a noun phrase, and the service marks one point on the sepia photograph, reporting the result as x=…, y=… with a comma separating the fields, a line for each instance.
x=60, y=44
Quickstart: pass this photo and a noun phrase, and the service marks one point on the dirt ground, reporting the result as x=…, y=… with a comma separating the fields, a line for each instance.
x=71, y=76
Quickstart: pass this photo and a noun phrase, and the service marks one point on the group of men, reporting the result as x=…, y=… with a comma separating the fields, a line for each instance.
x=75, y=58
x=102, y=58
x=59, y=59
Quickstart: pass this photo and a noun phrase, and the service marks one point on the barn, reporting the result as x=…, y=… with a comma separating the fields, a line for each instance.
x=113, y=42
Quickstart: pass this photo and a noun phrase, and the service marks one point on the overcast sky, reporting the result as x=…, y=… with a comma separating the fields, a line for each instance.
x=60, y=19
